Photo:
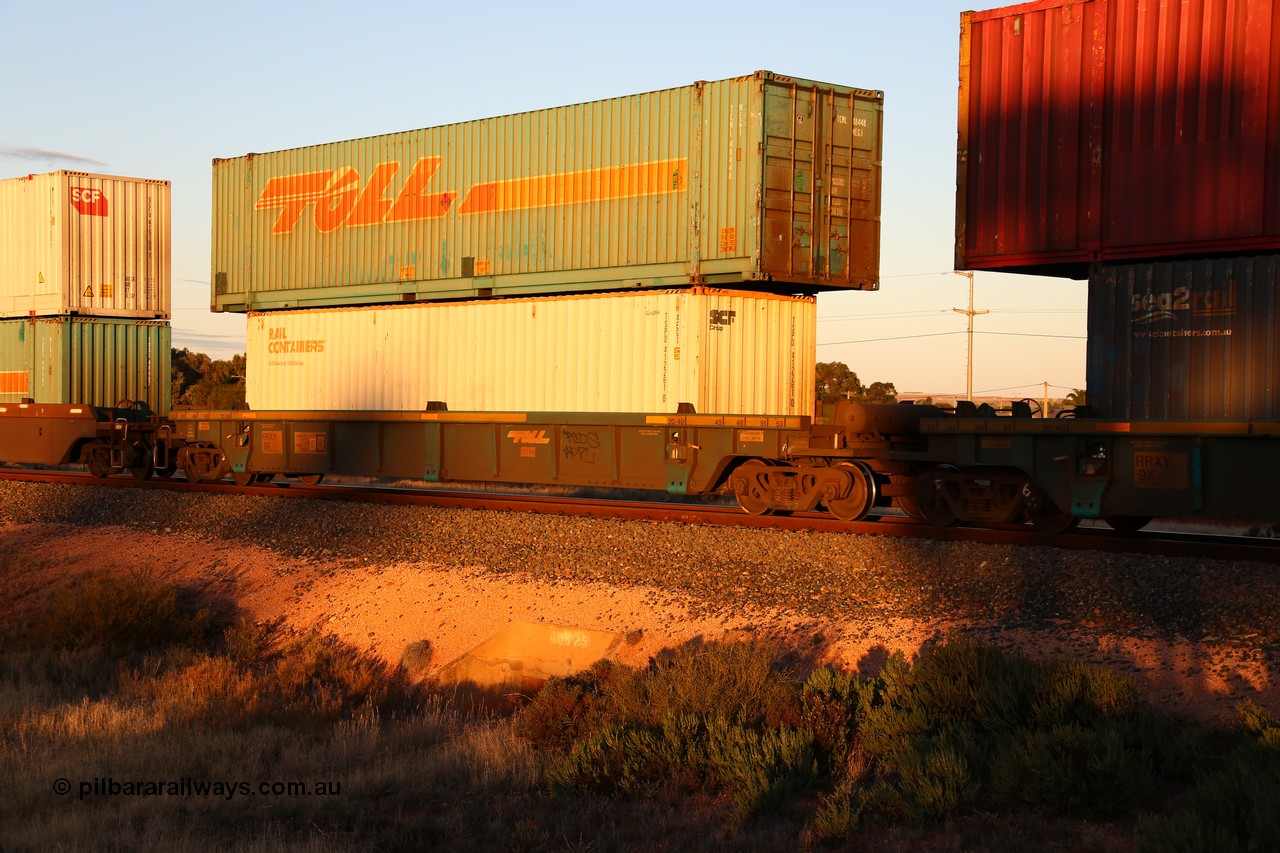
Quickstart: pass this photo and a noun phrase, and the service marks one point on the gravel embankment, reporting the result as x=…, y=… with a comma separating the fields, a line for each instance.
x=713, y=571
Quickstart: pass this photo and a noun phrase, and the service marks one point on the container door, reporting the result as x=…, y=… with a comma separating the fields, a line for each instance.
x=821, y=165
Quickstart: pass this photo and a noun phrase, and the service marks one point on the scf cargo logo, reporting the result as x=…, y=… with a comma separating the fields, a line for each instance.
x=721, y=318
x=343, y=198
x=1181, y=303
x=90, y=202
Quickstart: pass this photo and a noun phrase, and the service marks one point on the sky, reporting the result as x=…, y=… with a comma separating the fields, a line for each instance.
x=158, y=90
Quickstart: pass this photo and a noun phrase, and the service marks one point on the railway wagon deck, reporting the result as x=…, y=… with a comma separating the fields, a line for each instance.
x=944, y=468
x=678, y=453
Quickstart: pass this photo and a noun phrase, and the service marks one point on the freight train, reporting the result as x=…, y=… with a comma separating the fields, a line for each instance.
x=588, y=313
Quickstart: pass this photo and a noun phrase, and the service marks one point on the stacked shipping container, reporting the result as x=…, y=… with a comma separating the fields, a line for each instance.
x=766, y=185
x=84, y=262
x=1110, y=130
x=1137, y=143
x=756, y=183
x=722, y=352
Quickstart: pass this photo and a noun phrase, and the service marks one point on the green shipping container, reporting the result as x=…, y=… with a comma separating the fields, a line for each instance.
x=81, y=360
x=763, y=183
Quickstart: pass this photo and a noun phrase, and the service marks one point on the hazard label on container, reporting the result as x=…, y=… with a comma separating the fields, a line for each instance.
x=88, y=292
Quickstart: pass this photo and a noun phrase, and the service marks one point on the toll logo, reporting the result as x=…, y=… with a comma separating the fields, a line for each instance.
x=343, y=198
x=528, y=436
x=89, y=201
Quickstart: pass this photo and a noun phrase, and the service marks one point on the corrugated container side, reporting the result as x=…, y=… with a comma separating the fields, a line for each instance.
x=1105, y=130
x=760, y=182
x=77, y=243
x=1196, y=340
x=94, y=361
x=726, y=353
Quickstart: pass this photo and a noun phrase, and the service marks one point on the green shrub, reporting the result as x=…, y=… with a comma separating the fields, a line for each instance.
x=121, y=614
x=839, y=812
x=1070, y=769
x=762, y=769
x=629, y=758
x=1078, y=692
x=316, y=677
x=745, y=683
x=831, y=704
x=567, y=709
x=1186, y=832
x=935, y=778
x=1234, y=803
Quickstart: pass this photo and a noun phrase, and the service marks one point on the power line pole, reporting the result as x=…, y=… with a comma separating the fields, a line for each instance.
x=970, y=312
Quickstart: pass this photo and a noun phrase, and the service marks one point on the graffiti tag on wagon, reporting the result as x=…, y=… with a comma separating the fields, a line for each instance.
x=581, y=446
x=342, y=197
x=1183, y=311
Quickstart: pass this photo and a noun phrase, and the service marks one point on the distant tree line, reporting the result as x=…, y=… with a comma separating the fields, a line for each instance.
x=204, y=382
x=836, y=382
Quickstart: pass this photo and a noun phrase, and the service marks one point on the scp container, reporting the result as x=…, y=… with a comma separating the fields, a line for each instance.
x=763, y=183
x=89, y=361
x=723, y=352
x=93, y=245
x=1111, y=130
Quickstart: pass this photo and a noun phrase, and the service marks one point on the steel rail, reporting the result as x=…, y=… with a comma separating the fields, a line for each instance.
x=1162, y=543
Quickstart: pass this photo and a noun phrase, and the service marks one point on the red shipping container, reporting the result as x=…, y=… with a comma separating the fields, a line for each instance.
x=1106, y=130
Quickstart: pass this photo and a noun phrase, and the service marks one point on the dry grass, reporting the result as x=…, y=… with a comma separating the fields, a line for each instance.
x=163, y=712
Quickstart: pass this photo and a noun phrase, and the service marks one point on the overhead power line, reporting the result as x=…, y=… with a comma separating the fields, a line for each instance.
x=945, y=334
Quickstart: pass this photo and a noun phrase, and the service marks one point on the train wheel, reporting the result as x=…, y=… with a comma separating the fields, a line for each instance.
x=198, y=472
x=909, y=504
x=861, y=497
x=930, y=498
x=310, y=479
x=1045, y=515
x=97, y=458
x=1051, y=519
x=141, y=468
x=1126, y=524
x=751, y=486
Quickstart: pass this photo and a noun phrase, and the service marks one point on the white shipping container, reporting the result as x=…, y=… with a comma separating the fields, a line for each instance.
x=76, y=243
x=725, y=352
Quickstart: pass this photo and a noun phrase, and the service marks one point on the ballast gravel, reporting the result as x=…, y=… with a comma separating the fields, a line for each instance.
x=1215, y=625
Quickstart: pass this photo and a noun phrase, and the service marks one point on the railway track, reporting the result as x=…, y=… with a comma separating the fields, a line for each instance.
x=1157, y=542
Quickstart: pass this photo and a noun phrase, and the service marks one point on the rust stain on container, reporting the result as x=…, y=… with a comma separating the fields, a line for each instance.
x=1098, y=130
